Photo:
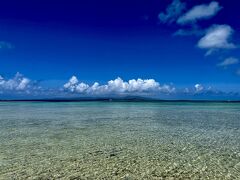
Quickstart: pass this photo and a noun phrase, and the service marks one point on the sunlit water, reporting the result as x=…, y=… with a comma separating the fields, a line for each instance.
x=114, y=140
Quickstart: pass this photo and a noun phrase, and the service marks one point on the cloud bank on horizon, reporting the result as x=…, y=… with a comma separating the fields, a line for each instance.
x=118, y=86
x=22, y=87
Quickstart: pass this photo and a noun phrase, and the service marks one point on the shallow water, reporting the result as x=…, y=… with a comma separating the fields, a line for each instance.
x=114, y=140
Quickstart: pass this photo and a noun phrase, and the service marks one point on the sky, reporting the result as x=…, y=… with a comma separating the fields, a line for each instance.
x=166, y=49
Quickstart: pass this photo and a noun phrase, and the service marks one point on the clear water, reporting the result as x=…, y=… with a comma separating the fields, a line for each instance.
x=114, y=140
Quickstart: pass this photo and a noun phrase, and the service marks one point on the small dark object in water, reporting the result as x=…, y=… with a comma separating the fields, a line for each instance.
x=112, y=154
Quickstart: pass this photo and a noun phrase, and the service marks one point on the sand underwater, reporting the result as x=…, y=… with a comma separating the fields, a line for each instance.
x=119, y=140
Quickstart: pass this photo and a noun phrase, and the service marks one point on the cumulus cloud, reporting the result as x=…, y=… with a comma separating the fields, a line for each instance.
x=198, y=88
x=21, y=87
x=217, y=37
x=173, y=11
x=18, y=83
x=229, y=61
x=203, y=11
x=118, y=86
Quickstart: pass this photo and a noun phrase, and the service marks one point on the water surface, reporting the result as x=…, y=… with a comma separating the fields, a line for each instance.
x=114, y=140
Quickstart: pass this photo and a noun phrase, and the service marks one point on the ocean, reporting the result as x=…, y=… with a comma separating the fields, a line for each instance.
x=119, y=140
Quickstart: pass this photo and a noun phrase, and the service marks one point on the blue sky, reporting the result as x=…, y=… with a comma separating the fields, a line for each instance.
x=189, y=48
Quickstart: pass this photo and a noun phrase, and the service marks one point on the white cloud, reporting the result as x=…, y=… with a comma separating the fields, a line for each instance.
x=23, y=84
x=173, y=11
x=199, y=88
x=71, y=84
x=217, y=37
x=118, y=86
x=203, y=11
x=229, y=61
x=81, y=87
x=18, y=83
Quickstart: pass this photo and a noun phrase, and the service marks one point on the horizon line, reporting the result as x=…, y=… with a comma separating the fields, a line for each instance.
x=118, y=100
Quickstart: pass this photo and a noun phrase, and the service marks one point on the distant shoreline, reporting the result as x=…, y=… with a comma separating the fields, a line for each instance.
x=118, y=100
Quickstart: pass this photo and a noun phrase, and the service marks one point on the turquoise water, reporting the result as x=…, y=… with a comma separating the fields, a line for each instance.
x=119, y=140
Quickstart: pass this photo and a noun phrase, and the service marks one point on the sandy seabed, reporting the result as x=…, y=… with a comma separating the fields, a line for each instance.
x=119, y=140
